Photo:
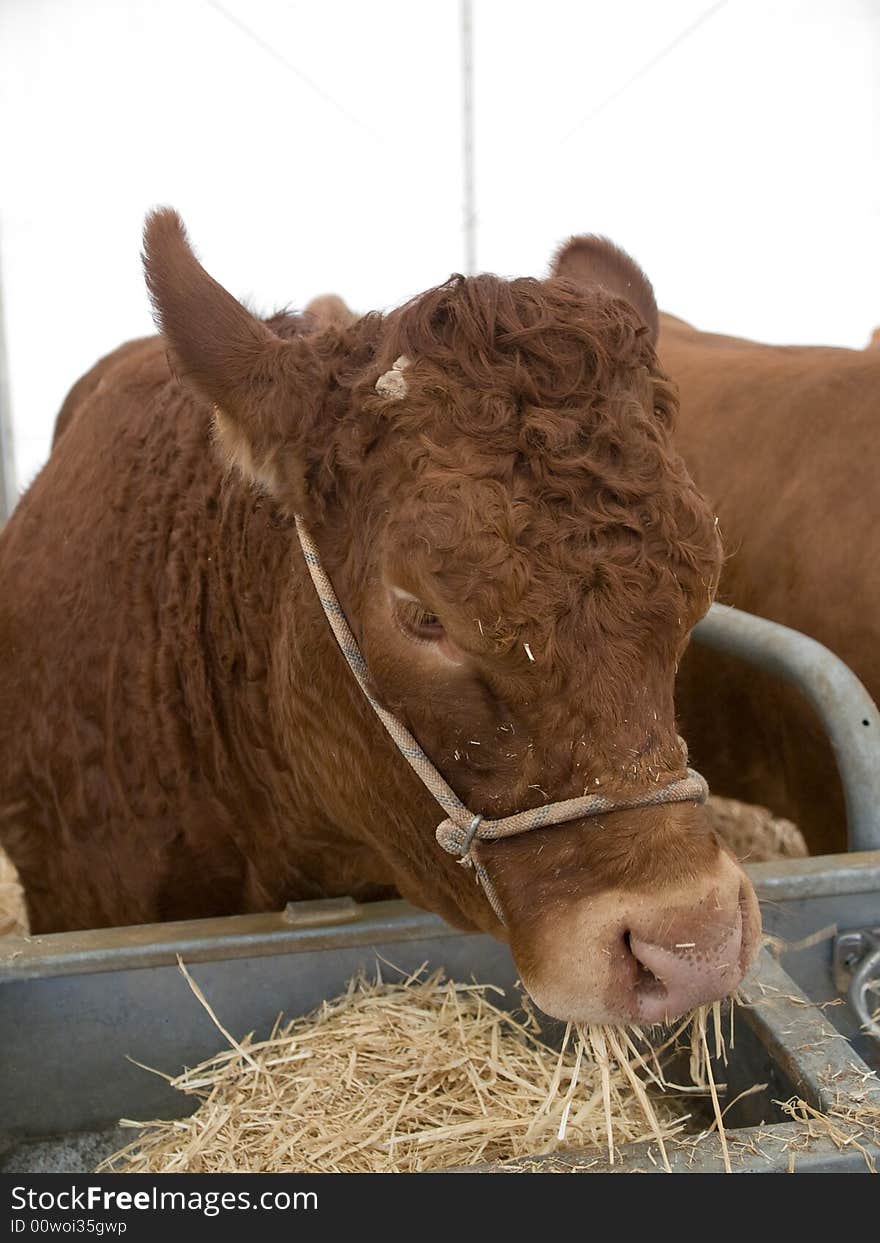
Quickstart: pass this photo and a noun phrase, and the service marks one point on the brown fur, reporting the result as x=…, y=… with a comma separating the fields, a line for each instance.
x=591, y=261
x=783, y=440
x=92, y=381
x=329, y=311
x=180, y=735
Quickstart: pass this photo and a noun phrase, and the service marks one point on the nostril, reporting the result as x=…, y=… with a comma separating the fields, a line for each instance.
x=670, y=979
x=646, y=983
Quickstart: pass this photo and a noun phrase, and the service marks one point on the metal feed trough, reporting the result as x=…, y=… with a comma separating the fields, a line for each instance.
x=77, y=1006
x=78, y=1009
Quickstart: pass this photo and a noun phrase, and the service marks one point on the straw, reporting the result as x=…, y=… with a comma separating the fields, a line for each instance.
x=422, y=1074
x=13, y=913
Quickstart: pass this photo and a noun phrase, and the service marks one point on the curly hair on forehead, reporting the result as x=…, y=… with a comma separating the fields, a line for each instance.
x=542, y=380
x=529, y=457
x=542, y=341
x=543, y=372
x=535, y=456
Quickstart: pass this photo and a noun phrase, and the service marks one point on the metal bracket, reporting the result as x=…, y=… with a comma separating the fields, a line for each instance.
x=856, y=967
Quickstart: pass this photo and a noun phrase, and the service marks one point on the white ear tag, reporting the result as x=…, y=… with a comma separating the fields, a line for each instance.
x=393, y=383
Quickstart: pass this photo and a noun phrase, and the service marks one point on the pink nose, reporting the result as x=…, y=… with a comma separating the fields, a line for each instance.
x=672, y=979
x=643, y=955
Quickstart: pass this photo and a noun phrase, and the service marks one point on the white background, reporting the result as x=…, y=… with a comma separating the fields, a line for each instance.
x=732, y=148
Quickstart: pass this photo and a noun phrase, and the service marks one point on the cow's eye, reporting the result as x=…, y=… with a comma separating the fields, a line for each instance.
x=417, y=621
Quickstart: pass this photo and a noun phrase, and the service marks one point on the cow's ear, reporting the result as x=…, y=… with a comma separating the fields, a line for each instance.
x=259, y=384
x=329, y=311
x=589, y=261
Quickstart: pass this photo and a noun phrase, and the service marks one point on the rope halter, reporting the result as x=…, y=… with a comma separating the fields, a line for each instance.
x=461, y=827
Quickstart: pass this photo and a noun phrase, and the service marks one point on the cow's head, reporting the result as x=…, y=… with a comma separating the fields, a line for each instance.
x=490, y=476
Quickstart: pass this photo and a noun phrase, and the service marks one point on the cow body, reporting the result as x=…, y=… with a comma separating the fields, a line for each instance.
x=783, y=442
x=520, y=553
x=160, y=588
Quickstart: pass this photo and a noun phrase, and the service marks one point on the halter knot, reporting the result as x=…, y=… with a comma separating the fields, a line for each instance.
x=457, y=839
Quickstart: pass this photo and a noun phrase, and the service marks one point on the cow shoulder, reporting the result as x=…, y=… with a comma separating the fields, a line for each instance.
x=87, y=385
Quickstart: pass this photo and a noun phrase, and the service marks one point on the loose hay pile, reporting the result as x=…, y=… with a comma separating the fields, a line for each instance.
x=13, y=913
x=753, y=833
x=418, y=1075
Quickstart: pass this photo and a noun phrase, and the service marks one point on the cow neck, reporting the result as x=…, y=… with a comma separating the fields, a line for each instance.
x=462, y=827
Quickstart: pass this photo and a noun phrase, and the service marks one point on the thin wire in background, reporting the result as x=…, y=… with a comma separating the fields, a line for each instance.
x=282, y=60
x=471, y=217
x=655, y=60
x=469, y=222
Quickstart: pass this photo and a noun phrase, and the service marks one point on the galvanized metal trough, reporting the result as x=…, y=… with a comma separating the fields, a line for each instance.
x=77, y=1010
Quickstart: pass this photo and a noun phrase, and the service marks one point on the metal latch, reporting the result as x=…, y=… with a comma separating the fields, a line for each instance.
x=857, y=973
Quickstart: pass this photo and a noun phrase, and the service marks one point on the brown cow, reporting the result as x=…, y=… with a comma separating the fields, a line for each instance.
x=521, y=554
x=784, y=442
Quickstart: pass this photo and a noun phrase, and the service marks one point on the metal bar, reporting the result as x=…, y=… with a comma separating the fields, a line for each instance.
x=819, y=1061
x=818, y=876
x=786, y=1148
x=7, y=461
x=467, y=129
x=848, y=713
x=215, y=940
